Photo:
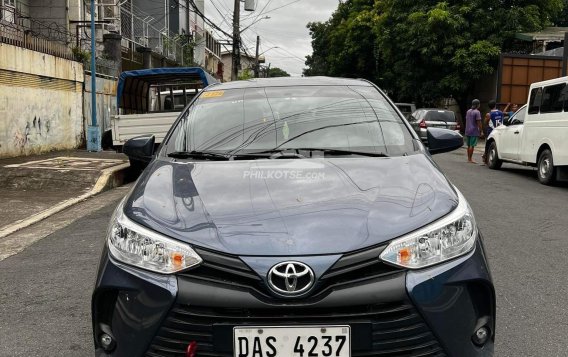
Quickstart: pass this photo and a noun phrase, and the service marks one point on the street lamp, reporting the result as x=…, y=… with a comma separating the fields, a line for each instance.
x=257, y=63
x=255, y=22
x=271, y=48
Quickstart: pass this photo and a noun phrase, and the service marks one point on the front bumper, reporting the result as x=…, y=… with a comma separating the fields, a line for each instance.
x=431, y=312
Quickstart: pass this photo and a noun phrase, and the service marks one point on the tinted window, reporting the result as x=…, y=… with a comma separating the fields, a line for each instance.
x=553, y=99
x=440, y=115
x=534, y=101
x=256, y=119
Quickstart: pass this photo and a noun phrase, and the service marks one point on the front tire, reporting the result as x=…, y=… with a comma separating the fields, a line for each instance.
x=493, y=161
x=546, y=171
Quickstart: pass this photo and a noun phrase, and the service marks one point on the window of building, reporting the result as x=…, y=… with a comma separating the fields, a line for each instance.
x=8, y=11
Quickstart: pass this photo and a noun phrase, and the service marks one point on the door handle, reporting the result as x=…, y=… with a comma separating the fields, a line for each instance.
x=516, y=132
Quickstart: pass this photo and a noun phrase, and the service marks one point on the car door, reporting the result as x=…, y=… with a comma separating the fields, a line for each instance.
x=511, y=138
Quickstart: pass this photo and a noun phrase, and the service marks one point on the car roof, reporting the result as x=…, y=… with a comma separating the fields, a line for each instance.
x=290, y=82
x=559, y=80
x=436, y=109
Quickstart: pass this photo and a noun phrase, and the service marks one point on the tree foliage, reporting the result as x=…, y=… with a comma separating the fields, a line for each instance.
x=423, y=50
x=277, y=72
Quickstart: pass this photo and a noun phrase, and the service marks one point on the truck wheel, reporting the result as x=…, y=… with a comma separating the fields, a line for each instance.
x=493, y=161
x=546, y=171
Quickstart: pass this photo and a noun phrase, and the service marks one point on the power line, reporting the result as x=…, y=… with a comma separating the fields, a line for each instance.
x=205, y=18
x=280, y=7
x=260, y=13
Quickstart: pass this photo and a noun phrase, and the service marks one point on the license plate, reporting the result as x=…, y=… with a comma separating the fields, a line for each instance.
x=292, y=341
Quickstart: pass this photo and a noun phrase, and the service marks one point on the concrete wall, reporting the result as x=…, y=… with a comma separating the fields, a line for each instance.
x=106, y=102
x=53, y=12
x=40, y=102
x=227, y=59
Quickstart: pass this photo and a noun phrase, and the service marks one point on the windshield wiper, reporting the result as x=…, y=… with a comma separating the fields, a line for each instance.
x=345, y=152
x=272, y=154
x=200, y=155
x=295, y=153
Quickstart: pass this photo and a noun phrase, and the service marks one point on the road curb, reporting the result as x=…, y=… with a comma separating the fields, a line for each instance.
x=110, y=178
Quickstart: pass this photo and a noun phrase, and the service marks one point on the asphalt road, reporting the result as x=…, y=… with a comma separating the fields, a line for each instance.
x=45, y=289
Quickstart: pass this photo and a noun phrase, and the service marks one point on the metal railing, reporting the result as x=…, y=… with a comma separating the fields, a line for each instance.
x=138, y=30
x=25, y=32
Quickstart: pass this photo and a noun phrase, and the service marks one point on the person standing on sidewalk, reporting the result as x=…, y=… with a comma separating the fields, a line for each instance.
x=492, y=120
x=473, y=129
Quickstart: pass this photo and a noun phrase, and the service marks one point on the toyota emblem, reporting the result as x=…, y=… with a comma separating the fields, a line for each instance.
x=290, y=278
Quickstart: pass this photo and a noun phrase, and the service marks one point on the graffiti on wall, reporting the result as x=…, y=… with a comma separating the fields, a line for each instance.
x=34, y=132
x=47, y=120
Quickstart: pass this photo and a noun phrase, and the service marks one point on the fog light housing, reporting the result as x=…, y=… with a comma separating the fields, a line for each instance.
x=107, y=342
x=481, y=336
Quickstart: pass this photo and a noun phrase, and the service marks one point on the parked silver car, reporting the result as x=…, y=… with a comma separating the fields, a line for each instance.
x=422, y=119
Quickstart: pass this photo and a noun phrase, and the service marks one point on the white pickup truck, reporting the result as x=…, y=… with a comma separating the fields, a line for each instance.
x=150, y=100
x=537, y=134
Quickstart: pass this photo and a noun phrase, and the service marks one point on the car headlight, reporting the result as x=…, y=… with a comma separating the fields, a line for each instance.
x=136, y=245
x=451, y=236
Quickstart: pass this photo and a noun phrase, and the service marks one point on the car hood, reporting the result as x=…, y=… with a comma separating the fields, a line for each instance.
x=290, y=207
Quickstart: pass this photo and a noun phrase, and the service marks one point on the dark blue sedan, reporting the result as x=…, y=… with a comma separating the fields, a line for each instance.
x=294, y=218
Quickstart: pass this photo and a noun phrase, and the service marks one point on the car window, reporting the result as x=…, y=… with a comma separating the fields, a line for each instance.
x=414, y=116
x=519, y=116
x=404, y=108
x=257, y=119
x=535, y=100
x=553, y=98
x=440, y=115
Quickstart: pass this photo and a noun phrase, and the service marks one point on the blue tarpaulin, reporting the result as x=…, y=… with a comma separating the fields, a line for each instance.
x=133, y=86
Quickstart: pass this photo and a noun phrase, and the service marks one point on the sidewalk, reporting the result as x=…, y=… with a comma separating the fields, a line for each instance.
x=36, y=187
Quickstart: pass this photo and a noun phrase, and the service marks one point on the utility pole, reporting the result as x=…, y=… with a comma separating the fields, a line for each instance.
x=236, y=57
x=565, y=55
x=93, y=131
x=256, y=64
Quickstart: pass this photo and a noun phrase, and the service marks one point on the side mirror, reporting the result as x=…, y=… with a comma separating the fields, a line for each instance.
x=139, y=150
x=443, y=140
x=507, y=121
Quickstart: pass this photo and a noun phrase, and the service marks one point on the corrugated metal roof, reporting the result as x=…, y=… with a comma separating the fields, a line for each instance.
x=548, y=34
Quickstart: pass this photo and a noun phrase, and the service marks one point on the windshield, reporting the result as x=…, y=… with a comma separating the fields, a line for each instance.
x=279, y=118
x=440, y=115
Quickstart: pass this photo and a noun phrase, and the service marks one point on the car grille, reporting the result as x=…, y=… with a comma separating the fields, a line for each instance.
x=349, y=269
x=396, y=328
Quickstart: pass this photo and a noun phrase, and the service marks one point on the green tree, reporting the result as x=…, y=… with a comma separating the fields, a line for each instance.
x=277, y=72
x=245, y=74
x=423, y=50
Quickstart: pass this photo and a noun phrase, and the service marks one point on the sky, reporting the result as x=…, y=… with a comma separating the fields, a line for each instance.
x=285, y=29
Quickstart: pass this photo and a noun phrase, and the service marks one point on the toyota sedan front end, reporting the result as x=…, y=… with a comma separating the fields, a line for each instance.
x=293, y=218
